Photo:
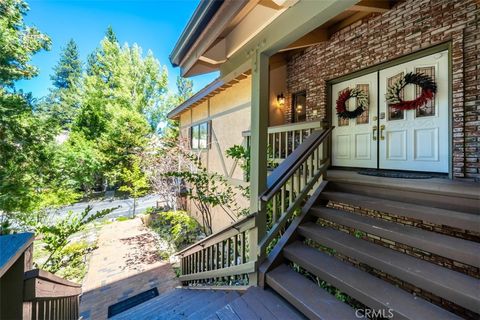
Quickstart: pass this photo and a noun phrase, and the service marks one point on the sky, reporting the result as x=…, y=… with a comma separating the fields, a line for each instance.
x=152, y=24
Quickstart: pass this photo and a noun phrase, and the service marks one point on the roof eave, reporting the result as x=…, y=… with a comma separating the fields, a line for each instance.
x=199, y=20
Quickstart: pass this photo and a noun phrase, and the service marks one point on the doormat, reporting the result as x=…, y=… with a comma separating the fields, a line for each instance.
x=131, y=302
x=395, y=174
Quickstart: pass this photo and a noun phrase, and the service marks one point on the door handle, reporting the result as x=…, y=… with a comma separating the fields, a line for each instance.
x=374, y=130
x=382, y=127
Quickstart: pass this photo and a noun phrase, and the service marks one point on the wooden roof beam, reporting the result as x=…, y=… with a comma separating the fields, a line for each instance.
x=314, y=37
x=373, y=6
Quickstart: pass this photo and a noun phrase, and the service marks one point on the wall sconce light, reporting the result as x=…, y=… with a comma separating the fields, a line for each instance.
x=281, y=99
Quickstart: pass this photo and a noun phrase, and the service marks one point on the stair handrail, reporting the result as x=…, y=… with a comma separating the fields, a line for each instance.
x=50, y=294
x=222, y=258
x=290, y=183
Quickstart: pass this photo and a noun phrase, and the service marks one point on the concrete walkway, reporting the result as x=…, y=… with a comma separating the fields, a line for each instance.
x=126, y=263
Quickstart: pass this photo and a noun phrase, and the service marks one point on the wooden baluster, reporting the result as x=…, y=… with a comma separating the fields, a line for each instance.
x=217, y=255
x=301, y=136
x=312, y=169
x=222, y=255
x=229, y=256
x=282, y=194
x=235, y=250
x=244, y=247
x=214, y=257
x=299, y=182
x=285, y=148
x=190, y=261
x=274, y=209
x=280, y=144
x=274, y=142
x=290, y=194
x=305, y=173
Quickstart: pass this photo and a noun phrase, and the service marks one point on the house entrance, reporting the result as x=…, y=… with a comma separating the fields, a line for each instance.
x=388, y=138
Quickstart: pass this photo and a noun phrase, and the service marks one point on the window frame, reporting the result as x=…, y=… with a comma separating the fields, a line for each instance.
x=295, y=97
x=202, y=143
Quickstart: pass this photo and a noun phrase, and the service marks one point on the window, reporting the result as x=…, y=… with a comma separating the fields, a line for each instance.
x=200, y=136
x=299, y=107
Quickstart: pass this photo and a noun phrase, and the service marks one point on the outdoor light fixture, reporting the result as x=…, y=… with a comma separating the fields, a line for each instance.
x=299, y=108
x=281, y=99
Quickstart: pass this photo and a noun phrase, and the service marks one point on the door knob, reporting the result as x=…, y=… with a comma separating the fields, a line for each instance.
x=374, y=130
x=382, y=127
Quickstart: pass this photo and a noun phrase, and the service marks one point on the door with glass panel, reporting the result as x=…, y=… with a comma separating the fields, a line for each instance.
x=415, y=140
x=354, y=141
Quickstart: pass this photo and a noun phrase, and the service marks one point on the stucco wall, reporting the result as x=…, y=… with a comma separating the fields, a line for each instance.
x=229, y=113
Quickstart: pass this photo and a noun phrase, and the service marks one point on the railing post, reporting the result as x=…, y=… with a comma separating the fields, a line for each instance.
x=258, y=150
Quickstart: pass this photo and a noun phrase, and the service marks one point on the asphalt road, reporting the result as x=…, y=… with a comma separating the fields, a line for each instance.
x=125, y=210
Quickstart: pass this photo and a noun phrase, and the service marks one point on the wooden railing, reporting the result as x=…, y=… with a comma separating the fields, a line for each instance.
x=230, y=257
x=27, y=293
x=290, y=184
x=51, y=297
x=223, y=258
x=283, y=139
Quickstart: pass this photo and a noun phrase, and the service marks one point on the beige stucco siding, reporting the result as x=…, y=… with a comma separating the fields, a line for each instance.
x=229, y=113
x=200, y=112
x=232, y=97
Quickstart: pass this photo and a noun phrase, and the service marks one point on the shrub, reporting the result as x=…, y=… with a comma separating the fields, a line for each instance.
x=176, y=227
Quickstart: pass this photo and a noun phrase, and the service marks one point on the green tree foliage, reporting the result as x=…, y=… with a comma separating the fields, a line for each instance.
x=68, y=70
x=80, y=162
x=57, y=235
x=18, y=43
x=24, y=137
x=136, y=182
x=64, y=99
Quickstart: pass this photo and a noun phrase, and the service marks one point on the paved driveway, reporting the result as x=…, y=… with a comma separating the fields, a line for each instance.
x=126, y=206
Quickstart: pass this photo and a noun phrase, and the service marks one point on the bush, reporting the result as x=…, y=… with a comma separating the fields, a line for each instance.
x=177, y=227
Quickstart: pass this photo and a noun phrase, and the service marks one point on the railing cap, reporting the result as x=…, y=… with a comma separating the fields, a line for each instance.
x=234, y=225
x=11, y=248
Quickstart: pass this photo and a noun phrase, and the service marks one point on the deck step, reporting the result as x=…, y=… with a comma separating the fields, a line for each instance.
x=269, y=306
x=213, y=306
x=306, y=296
x=448, y=284
x=258, y=304
x=437, y=196
x=180, y=304
x=461, y=220
x=370, y=290
x=457, y=249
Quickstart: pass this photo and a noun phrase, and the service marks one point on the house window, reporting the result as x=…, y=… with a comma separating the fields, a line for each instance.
x=299, y=107
x=200, y=136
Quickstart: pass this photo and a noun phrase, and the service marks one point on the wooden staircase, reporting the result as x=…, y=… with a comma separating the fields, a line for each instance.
x=375, y=257
x=343, y=247
x=367, y=246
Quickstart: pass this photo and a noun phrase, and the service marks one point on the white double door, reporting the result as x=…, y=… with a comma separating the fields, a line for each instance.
x=385, y=138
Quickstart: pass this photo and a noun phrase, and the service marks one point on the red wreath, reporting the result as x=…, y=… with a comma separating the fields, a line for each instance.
x=342, y=111
x=429, y=88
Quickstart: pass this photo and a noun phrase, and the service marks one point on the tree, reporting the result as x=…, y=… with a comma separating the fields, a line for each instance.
x=136, y=183
x=24, y=137
x=68, y=70
x=57, y=235
x=184, y=88
x=18, y=43
x=122, y=90
x=126, y=134
x=64, y=99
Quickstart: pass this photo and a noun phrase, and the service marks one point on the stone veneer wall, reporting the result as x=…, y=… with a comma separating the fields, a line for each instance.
x=408, y=27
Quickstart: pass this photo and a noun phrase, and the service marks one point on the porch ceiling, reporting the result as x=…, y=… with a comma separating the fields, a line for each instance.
x=236, y=22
